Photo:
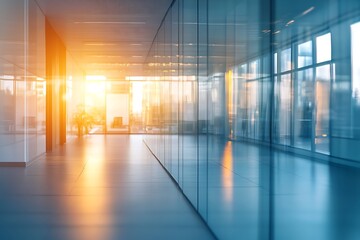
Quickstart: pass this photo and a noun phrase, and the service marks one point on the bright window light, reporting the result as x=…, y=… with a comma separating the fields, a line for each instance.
x=323, y=48
x=7, y=77
x=95, y=78
x=355, y=59
x=137, y=98
x=285, y=60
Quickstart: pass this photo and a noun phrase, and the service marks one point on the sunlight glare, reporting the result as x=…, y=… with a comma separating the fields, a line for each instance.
x=95, y=78
x=137, y=91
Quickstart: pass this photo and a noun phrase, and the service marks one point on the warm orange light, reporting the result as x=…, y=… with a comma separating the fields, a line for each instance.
x=95, y=78
x=229, y=78
x=137, y=97
x=95, y=87
x=227, y=173
x=95, y=84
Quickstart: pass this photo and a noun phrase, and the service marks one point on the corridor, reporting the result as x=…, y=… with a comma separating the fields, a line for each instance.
x=179, y=119
x=99, y=187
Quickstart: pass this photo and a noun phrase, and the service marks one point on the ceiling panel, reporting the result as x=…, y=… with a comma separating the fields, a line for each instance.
x=103, y=34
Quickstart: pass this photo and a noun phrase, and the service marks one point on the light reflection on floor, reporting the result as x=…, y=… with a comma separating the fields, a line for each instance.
x=259, y=193
x=101, y=187
x=227, y=172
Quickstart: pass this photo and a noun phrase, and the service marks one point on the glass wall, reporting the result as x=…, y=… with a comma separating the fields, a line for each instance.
x=22, y=81
x=226, y=72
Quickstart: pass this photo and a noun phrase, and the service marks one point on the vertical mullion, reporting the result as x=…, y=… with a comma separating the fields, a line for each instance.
x=26, y=51
x=197, y=104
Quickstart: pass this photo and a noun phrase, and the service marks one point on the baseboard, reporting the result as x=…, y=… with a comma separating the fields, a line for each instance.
x=22, y=164
x=13, y=164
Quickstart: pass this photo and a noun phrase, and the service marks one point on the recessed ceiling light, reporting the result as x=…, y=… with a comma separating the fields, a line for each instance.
x=290, y=22
x=308, y=10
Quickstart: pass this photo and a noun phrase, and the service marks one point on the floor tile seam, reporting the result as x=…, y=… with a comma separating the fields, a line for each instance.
x=79, y=175
x=235, y=173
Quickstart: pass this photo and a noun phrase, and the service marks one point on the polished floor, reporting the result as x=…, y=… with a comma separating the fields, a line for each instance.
x=100, y=187
x=252, y=192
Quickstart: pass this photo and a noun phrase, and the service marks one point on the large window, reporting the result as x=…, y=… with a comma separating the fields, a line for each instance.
x=283, y=98
x=304, y=105
x=323, y=48
x=283, y=109
x=22, y=81
x=305, y=54
x=322, y=99
x=302, y=94
x=355, y=57
x=282, y=77
x=285, y=60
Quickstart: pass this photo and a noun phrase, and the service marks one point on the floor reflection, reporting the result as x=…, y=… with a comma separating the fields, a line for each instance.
x=102, y=187
x=90, y=198
x=227, y=172
x=255, y=192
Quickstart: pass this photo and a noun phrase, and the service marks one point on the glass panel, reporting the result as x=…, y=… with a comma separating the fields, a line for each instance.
x=92, y=116
x=240, y=122
x=241, y=129
x=136, y=121
x=355, y=56
x=282, y=119
x=305, y=54
x=203, y=108
x=285, y=60
x=230, y=85
x=252, y=109
x=117, y=110
x=11, y=124
x=322, y=99
x=35, y=91
x=74, y=96
x=12, y=82
x=266, y=63
x=304, y=97
x=31, y=118
x=265, y=108
x=175, y=90
x=213, y=54
x=189, y=101
x=243, y=71
x=323, y=48
x=254, y=69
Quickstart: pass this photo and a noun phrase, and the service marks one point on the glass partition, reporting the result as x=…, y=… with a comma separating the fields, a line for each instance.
x=22, y=81
x=222, y=73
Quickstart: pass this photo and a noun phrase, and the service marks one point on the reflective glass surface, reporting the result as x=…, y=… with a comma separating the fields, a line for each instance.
x=284, y=74
x=22, y=81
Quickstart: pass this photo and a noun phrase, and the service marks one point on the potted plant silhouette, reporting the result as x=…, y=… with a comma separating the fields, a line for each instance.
x=83, y=121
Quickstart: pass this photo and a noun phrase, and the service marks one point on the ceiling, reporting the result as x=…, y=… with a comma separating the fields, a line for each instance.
x=106, y=37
